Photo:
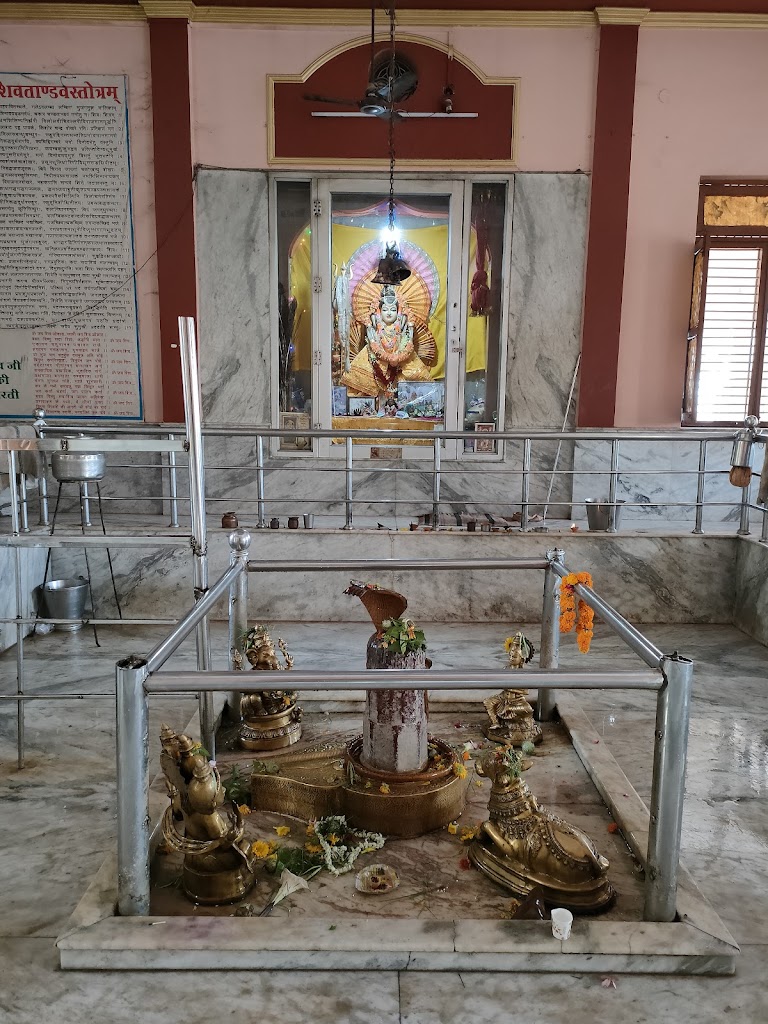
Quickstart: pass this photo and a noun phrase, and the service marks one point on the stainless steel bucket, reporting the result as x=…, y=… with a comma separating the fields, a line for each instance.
x=65, y=599
x=599, y=513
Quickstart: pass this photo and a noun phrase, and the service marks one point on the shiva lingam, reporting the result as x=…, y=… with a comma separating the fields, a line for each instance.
x=202, y=825
x=525, y=847
x=511, y=715
x=395, y=778
x=271, y=719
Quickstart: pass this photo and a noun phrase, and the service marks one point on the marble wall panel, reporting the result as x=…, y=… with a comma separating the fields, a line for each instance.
x=32, y=564
x=751, y=599
x=652, y=471
x=648, y=578
x=233, y=295
x=546, y=293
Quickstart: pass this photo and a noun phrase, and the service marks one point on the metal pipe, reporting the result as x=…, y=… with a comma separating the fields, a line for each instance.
x=640, y=644
x=96, y=540
x=85, y=504
x=743, y=530
x=764, y=533
x=348, y=449
x=26, y=697
x=13, y=465
x=612, y=486
x=23, y=502
x=193, y=417
x=239, y=543
x=550, y=632
x=526, y=484
x=20, y=725
x=173, y=485
x=700, y=487
x=673, y=708
x=42, y=479
x=87, y=621
x=386, y=564
x=436, y=483
x=162, y=651
x=402, y=679
x=132, y=788
x=262, y=523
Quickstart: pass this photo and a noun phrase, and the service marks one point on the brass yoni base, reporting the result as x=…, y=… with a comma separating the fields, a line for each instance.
x=317, y=782
x=271, y=732
x=207, y=881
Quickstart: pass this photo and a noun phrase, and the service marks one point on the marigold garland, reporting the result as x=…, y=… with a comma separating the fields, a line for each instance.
x=569, y=617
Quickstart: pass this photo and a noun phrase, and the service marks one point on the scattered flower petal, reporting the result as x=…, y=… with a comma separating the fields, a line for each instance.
x=283, y=830
x=244, y=809
x=260, y=849
x=453, y=828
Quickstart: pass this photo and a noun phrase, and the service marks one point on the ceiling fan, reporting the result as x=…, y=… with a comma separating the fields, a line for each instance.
x=392, y=78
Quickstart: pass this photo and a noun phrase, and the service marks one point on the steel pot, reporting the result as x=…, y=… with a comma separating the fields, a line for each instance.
x=78, y=466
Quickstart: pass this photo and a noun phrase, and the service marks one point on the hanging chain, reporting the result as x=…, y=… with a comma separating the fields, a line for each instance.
x=391, y=120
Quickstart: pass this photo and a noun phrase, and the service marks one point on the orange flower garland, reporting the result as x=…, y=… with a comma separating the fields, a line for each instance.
x=568, y=613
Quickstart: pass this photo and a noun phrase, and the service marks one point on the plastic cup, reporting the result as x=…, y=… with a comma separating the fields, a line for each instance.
x=561, y=923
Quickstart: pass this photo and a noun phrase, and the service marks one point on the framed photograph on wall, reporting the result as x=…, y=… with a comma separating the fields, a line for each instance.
x=362, y=406
x=295, y=421
x=339, y=401
x=485, y=444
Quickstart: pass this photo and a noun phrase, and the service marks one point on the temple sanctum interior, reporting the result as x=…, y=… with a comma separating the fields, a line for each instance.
x=414, y=353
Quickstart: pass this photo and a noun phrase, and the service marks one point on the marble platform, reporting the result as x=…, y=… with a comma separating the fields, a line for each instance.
x=71, y=765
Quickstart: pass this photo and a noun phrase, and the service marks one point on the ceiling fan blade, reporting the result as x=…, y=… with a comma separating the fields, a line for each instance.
x=332, y=99
x=404, y=86
x=385, y=115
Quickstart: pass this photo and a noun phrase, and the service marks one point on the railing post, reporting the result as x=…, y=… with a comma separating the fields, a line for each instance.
x=15, y=528
x=199, y=534
x=613, y=485
x=744, y=517
x=549, y=655
x=132, y=788
x=173, y=491
x=436, y=484
x=700, y=487
x=85, y=504
x=764, y=533
x=23, y=502
x=262, y=523
x=42, y=480
x=673, y=708
x=348, y=484
x=239, y=543
x=526, y=484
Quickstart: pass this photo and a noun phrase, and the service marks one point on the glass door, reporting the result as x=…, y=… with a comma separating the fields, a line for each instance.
x=388, y=356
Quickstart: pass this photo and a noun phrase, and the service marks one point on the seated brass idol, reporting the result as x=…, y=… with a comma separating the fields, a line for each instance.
x=202, y=825
x=524, y=847
x=271, y=718
x=510, y=713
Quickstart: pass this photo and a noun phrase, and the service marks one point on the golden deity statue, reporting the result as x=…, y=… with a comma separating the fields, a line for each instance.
x=397, y=346
x=511, y=716
x=271, y=718
x=525, y=847
x=202, y=825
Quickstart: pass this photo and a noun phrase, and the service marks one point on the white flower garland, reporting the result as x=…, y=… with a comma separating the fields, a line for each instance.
x=339, y=859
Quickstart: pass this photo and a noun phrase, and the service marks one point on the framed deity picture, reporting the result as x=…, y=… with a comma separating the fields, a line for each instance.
x=423, y=400
x=362, y=406
x=339, y=401
x=295, y=421
x=485, y=444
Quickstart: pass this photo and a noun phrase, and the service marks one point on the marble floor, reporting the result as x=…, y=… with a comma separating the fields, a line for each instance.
x=58, y=821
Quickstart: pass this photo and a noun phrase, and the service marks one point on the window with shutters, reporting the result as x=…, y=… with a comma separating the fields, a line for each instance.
x=727, y=372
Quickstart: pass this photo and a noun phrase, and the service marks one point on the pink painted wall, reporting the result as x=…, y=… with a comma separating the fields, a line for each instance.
x=229, y=65
x=699, y=110
x=109, y=50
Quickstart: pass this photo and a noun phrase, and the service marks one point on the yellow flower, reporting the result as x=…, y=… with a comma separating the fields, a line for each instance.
x=260, y=849
x=283, y=830
x=311, y=828
x=479, y=783
x=286, y=702
x=508, y=643
x=453, y=828
x=332, y=839
x=383, y=788
x=368, y=784
x=313, y=848
x=244, y=809
x=272, y=845
x=467, y=834
x=460, y=770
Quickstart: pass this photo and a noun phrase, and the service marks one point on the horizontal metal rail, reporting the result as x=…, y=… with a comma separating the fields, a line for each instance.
x=92, y=622
x=396, y=564
x=403, y=679
x=96, y=540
